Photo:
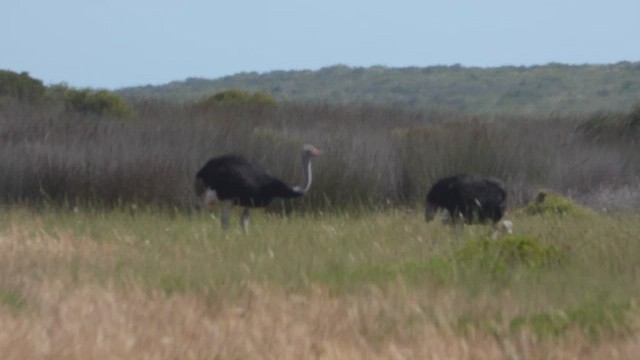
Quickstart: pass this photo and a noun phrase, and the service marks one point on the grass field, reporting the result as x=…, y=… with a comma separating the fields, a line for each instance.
x=354, y=272
x=156, y=284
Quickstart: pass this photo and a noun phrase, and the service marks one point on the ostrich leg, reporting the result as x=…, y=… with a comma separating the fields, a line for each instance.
x=244, y=220
x=226, y=208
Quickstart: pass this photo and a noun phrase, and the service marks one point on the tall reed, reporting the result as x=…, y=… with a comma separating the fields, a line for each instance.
x=372, y=155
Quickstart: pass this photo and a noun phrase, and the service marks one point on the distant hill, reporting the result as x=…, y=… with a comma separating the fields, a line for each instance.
x=509, y=89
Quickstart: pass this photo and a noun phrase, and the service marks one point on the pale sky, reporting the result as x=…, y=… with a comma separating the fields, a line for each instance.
x=118, y=43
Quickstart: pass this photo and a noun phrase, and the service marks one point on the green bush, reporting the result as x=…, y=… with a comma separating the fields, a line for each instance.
x=237, y=97
x=550, y=203
x=20, y=86
x=101, y=102
x=508, y=252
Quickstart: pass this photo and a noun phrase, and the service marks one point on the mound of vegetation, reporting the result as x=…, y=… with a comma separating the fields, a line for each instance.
x=508, y=252
x=550, y=203
x=494, y=260
x=20, y=86
x=236, y=97
x=100, y=102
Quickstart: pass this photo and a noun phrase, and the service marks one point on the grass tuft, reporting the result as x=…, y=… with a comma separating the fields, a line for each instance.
x=501, y=255
x=596, y=320
x=12, y=299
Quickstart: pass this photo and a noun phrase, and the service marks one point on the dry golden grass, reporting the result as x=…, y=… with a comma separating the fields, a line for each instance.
x=96, y=322
x=57, y=314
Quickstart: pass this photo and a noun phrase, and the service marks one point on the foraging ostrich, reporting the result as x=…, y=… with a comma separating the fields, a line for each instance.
x=470, y=197
x=235, y=180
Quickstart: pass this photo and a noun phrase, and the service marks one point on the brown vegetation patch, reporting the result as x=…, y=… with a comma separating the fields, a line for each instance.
x=93, y=322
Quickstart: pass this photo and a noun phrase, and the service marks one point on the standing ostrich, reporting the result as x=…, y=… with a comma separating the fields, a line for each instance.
x=235, y=180
x=471, y=198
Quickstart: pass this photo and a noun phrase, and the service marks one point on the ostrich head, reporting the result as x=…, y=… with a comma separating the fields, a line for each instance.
x=209, y=196
x=446, y=217
x=308, y=152
x=503, y=227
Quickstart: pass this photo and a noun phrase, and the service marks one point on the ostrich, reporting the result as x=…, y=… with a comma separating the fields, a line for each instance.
x=471, y=198
x=235, y=180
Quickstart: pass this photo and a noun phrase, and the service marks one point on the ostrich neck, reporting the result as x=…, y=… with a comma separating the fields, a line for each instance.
x=306, y=174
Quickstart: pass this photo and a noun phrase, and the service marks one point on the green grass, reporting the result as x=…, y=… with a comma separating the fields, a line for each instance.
x=559, y=273
x=596, y=319
x=12, y=299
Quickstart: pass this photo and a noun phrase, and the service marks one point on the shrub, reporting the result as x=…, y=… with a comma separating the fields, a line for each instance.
x=237, y=97
x=100, y=102
x=20, y=86
x=508, y=252
x=550, y=203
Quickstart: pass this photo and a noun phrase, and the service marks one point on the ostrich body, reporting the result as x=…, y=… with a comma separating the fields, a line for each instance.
x=233, y=179
x=471, y=198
